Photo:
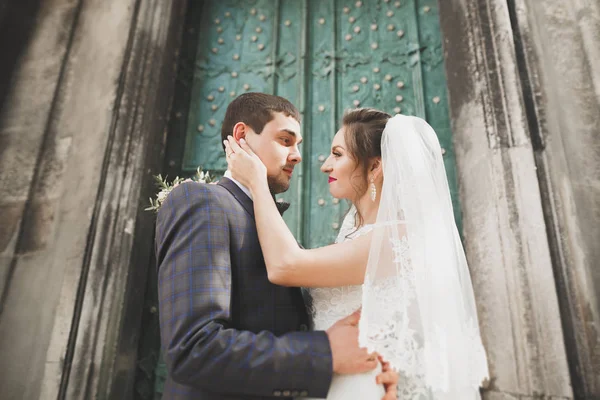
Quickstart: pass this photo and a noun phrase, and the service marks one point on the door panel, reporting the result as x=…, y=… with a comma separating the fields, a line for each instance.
x=325, y=56
x=322, y=215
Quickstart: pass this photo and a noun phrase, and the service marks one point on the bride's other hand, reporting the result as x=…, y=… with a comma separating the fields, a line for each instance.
x=389, y=378
x=244, y=164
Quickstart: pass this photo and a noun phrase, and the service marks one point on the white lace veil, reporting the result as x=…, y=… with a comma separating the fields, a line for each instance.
x=418, y=308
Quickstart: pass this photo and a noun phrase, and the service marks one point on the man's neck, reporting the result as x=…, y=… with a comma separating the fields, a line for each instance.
x=244, y=188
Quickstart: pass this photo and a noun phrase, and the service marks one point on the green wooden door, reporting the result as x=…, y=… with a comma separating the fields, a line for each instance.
x=325, y=56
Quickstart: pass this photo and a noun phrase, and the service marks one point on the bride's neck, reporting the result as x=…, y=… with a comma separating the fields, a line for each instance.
x=367, y=208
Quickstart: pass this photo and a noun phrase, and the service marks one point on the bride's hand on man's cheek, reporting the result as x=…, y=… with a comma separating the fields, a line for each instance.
x=244, y=164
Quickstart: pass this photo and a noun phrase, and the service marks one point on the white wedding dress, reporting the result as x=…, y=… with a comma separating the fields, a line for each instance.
x=332, y=304
x=418, y=305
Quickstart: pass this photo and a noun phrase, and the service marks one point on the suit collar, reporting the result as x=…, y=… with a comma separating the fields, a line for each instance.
x=244, y=188
x=245, y=200
x=239, y=194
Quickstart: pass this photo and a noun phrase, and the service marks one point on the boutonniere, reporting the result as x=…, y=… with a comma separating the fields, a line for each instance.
x=164, y=187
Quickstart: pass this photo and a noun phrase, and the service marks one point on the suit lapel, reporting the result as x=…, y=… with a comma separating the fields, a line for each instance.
x=248, y=205
x=239, y=194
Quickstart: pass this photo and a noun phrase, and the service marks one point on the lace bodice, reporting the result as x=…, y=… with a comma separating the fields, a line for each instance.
x=331, y=304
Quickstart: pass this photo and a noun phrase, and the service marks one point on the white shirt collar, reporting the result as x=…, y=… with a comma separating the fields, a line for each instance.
x=244, y=188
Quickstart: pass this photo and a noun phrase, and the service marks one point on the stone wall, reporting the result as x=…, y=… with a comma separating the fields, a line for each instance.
x=81, y=130
x=503, y=221
x=523, y=82
x=560, y=61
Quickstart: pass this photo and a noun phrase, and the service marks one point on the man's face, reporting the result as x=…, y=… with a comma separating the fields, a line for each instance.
x=277, y=147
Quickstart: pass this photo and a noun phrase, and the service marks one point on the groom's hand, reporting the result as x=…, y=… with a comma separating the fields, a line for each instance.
x=389, y=378
x=348, y=358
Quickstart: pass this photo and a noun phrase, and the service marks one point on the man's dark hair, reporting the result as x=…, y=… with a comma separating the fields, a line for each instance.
x=255, y=110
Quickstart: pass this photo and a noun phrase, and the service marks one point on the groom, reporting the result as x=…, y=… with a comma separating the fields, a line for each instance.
x=227, y=332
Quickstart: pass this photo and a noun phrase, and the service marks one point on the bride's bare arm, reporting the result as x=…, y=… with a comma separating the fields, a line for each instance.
x=287, y=264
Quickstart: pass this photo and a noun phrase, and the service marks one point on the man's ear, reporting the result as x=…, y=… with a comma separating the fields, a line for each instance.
x=240, y=130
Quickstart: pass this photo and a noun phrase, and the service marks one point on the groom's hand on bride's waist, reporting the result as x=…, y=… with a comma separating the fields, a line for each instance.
x=348, y=358
x=389, y=378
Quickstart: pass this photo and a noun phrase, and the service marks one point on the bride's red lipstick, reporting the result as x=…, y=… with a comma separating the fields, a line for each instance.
x=332, y=179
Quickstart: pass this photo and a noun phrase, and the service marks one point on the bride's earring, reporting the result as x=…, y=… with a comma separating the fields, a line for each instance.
x=373, y=189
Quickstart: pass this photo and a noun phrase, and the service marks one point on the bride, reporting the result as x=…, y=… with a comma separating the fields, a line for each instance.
x=398, y=256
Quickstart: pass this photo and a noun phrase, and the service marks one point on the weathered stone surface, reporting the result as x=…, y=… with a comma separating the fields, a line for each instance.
x=587, y=16
x=5, y=265
x=27, y=317
x=492, y=395
x=11, y=218
x=504, y=227
x=133, y=143
x=87, y=99
x=27, y=312
x=24, y=117
x=55, y=231
x=562, y=54
x=74, y=160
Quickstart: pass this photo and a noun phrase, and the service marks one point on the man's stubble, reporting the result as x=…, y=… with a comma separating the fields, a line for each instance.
x=276, y=186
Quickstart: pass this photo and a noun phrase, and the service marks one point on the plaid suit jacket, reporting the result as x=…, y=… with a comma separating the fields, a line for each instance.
x=226, y=331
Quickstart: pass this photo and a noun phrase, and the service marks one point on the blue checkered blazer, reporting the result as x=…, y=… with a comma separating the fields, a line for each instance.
x=226, y=331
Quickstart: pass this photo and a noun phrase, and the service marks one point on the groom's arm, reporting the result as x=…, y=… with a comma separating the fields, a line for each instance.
x=201, y=348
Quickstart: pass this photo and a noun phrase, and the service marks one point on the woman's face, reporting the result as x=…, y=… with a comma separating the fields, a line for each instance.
x=346, y=180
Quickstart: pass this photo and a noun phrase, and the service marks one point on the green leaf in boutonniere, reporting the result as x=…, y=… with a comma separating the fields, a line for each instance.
x=164, y=187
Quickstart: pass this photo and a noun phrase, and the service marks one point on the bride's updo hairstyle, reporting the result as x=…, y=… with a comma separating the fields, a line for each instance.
x=363, y=128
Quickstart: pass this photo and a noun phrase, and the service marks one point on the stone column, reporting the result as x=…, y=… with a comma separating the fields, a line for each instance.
x=30, y=161
x=84, y=126
x=504, y=227
x=559, y=47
